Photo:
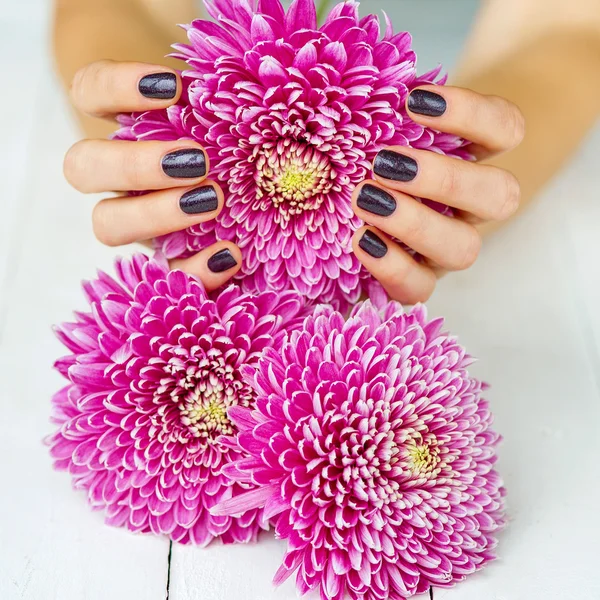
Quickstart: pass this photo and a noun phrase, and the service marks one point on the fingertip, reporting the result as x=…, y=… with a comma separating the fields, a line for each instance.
x=426, y=102
x=356, y=239
x=160, y=85
x=357, y=190
x=223, y=262
x=214, y=266
x=401, y=276
x=201, y=203
x=182, y=161
x=233, y=250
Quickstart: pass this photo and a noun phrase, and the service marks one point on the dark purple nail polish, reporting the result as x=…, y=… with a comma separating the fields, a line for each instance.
x=200, y=200
x=394, y=166
x=187, y=164
x=221, y=261
x=162, y=86
x=373, y=245
x=376, y=201
x=424, y=102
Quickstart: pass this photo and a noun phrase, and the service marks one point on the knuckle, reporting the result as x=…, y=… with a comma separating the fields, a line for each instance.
x=135, y=166
x=518, y=125
x=413, y=294
x=512, y=123
x=401, y=273
x=77, y=86
x=74, y=165
x=419, y=295
x=415, y=226
x=86, y=82
x=450, y=182
x=470, y=250
x=511, y=196
x=101, y=224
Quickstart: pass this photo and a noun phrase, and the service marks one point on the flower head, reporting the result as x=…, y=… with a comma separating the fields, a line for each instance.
x=153, y=368
x=376, y=446
x=292, y=116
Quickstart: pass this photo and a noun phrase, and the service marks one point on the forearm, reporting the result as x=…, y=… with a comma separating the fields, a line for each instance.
x=89, y=30
x=552, y=77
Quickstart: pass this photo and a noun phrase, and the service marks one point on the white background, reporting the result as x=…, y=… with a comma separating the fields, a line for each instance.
x=529, y=309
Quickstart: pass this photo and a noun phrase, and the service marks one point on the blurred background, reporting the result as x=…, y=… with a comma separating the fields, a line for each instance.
x=528, y=310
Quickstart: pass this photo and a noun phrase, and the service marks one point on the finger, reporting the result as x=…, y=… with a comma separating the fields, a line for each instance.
x=447, y=242
x=107, y=87
x=403, y=278
x=127, y=219
x=214, y=265
x=490, y=193
x=492, y=123
x=105, y=165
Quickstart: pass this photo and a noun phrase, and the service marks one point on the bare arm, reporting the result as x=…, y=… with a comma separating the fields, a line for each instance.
x=543, y=55
x=132, y=30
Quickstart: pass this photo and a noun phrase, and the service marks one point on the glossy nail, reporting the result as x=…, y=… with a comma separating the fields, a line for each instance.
x=376, y=201
x=158, y=85
x=187, y=164
x=394, y=166
x=372, y=244
x=221, y=261
x=200, y=200
x=424, y=102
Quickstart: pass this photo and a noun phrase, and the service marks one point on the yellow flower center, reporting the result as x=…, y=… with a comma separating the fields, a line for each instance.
x=422, y=458
x=292, y=176
x=204, y=409
x=295, y=183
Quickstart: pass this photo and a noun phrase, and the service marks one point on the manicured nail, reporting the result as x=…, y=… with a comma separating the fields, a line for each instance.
x=376, y=201
x=158, y=85
x=426, y=103
x=201, y=200
x=187, y=164
x=372, y=244
x=394, y=166
x=221, y=261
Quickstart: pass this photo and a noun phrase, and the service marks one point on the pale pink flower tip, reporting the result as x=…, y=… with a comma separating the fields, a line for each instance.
x=373, y=450
x=292, y=116
x=153, y=367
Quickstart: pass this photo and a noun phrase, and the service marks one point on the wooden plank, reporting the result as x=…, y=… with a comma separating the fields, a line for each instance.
x=16, y=124
x=53, y=546
x=222, y=572
x=529, y=311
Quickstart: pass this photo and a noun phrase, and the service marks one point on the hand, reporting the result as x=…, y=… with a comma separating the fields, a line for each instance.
x=478, y=193
x=176, y=171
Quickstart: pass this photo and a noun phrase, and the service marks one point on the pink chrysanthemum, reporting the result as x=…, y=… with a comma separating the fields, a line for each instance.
x=153, y=368
x=372, y=449
x=292, y=116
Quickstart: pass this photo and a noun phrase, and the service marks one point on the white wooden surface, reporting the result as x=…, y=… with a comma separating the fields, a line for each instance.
x=528, y=309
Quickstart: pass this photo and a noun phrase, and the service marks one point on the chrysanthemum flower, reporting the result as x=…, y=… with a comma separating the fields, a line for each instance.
x=292, y=116
x=153, y=367
x=372, y=449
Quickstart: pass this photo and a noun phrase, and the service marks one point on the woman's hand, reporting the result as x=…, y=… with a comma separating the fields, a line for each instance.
x=176, y=171
x=478, y=193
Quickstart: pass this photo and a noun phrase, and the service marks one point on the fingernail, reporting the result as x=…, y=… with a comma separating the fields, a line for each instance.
x=372, y=244
x=201, y=200
x=376, y=201
x=158, y=85
x=394, y=166
x=221, y=261
x=185, y=164
x=426, y=103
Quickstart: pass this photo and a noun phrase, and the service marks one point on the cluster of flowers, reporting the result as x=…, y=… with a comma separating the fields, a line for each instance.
x=363, y=440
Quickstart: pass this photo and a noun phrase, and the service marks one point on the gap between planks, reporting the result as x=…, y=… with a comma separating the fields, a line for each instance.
x=169, y=557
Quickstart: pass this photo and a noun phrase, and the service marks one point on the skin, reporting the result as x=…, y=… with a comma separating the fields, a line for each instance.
x=512, y=72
